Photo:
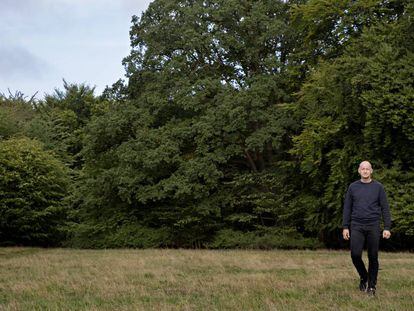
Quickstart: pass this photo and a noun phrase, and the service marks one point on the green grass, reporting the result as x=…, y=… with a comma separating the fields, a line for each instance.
x=67, y=279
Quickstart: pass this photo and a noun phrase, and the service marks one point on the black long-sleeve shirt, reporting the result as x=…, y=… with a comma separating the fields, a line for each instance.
x=365, y=203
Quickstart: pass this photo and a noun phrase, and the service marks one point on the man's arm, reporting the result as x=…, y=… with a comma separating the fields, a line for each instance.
x=346, y=215
x=386, y=215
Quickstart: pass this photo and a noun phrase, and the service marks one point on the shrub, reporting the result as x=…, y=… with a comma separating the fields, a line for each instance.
x=33, y=184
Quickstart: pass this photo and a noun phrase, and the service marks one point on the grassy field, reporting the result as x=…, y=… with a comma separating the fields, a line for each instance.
x=65, y=279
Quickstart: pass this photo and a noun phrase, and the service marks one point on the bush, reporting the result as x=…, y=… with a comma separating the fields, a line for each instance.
x=32, y=186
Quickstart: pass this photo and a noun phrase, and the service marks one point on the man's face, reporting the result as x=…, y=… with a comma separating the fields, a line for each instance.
x=365, y=170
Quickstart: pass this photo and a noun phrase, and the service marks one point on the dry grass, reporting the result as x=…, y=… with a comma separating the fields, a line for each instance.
x=66, y=279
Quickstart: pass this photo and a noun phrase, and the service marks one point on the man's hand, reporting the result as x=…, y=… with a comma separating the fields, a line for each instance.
x=345, y=234
x=386, y=234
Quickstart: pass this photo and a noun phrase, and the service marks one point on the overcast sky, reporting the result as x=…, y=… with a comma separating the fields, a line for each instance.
x=81, y=41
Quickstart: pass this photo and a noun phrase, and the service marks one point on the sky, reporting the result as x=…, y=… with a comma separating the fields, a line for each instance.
x=43, y=42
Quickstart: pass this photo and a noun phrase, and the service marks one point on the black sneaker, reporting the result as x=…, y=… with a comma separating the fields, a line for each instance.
x=363, y=285
x=371, y=291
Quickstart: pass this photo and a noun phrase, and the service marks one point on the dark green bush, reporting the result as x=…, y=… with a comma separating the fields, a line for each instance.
x=33, y=184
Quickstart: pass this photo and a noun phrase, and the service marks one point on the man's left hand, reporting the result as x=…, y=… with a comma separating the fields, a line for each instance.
x=386, y=234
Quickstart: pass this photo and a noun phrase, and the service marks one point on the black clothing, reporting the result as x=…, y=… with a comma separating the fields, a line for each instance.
x=370, y=233
x=365, y=203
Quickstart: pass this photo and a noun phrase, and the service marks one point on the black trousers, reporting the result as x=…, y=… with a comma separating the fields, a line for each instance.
x=369, y=234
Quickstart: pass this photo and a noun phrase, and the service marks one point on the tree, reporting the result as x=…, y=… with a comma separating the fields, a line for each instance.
x=358, y=106
x=32, y=186
x=204, y=116
x=328, y=26
x=60, y=119
x=15, y=113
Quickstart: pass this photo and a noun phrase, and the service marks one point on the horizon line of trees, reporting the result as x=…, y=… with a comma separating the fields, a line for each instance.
x=241, y=124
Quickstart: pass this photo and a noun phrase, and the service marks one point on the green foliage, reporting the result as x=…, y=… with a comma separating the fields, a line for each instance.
x=259, y=199
x=400, y=187
x=8, y=126
x=238, y=117
x=59, y=131
x=60, y=119
x=356, y=107
x=32, y=186
x=15, y=113
x=199, y=140
x=78, y=98
x=205, y=107
x=128, y=235
x=328, y=26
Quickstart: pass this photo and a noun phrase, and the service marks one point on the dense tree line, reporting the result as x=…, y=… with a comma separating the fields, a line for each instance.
x=241, y=125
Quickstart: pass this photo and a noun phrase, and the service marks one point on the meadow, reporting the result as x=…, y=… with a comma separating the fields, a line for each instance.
x=167, y=279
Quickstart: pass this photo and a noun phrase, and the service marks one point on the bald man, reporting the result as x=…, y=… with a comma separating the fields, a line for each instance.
x=365, y=203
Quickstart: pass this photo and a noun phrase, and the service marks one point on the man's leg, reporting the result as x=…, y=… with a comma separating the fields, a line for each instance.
x=373, y=238
x=357, y=245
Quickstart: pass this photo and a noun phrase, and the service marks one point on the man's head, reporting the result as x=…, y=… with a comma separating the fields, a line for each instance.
x=365, y=170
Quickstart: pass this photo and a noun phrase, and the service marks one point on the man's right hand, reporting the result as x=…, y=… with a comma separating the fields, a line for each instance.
x=345, y=234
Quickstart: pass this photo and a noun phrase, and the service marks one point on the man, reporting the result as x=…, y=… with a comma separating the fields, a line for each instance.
x=365, y=202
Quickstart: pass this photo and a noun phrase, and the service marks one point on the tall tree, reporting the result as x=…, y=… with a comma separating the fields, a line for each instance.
x=194, y=146
x=358, y=106
x=60, y=119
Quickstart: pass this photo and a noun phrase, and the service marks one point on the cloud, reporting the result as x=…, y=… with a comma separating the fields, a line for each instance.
x=18, y=62
x=63, y=5
x=133, y=5
x=17, y=7
x=43, y=41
